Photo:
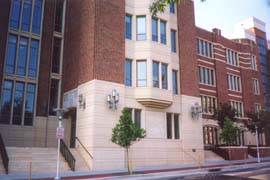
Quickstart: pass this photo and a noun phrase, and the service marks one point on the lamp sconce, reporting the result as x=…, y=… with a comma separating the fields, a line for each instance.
x=113, y=99
x=196, y=111
x=81, y=101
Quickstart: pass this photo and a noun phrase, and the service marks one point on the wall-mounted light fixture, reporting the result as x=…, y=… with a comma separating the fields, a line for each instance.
x=81, y=101
x=196, y=111
x=113, y=99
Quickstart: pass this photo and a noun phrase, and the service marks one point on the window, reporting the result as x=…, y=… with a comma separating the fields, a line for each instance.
x=141, y=28
x=53, y=96
x=56, y=55
x=22, y=56
x=141, y=73
x=128, y=27
x=173, y=130
x=206, y=76
x=209, y=104
x=33, y=59
x=234, y=82
x=37, y=17
x=58, y=21
x=173, y=40
x=232, y=57
x=154, y=29
x=6, y=102
x=258, y=108
x=11, y=54
x=204, y=48
x=169, y=126
x=155, y=74
x=238, y=106
x=172, y=7
x=128, y=72
x=164, y=76
x=174, y=82
x=15, y=14
x=18, y=103
x=176, y=126
x=29, y=104
x=255, y=84
x=26, y=15
x=137, y=118
x=162, y=32
x=253, y=62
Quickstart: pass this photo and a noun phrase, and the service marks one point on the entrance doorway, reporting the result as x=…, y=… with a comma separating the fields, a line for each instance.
x=73, y=117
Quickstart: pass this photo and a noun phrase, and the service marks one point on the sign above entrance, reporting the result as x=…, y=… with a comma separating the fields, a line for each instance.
x=70, y=99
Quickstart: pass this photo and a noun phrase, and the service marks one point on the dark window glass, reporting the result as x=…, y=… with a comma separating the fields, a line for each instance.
x=22, y=56
x=164, y=75
x=32, y=68
x=11, y=54
x=174, y=83
x=18, y=103
x=173, y=40
x=128, y=27
x=176, y=126
x=6, y=102
x=162, y=32
x=37, y=17
x=15, y=14
x=141, y=28
x=138, y=118
x=141, y=73
x=58, y=15
x=169, y=126
x=53, y=96
x=128, y=73
x=56, y=55
x=172, y=7
x=155, y=74
x=199, y=74
x=154, y=29
x=198, y=46
x=29, y=104
x=26, y=16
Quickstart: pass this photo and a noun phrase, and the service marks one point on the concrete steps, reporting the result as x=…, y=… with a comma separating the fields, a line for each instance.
x=211, y=156
x=80, y=164
x=2, y=169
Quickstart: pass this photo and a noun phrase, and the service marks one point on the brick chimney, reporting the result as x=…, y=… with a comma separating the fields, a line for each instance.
x=216, y=31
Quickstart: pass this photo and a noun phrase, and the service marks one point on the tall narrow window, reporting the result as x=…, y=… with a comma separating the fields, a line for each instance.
x=164, y=75
x=53, y=96
x=176, y=126
x=26, y=16
x=37, y=17
x=172, y=7
x=174, y=82
x=18, y=103
x=162, y=32
x=128, y=72
x=58, y=21
x=137, y=118
x=6, y=102
x=169, y=126
x=173, y=40
x=141, y=74
x=15, y=14
x=29, y=104
x=141, y=28
x=154, y=29
x=33, y=60
x=128, y=27
x=22, y=56
x=155, y=74
x=56, y=55
x=11, y=54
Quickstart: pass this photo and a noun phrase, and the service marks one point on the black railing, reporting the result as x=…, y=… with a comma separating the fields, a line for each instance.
x=4, y=154
x=67, y=155
x=84, y=148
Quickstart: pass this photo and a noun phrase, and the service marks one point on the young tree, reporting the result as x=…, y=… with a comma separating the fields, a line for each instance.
x=229, y=132
x=225, y=110
x=126, y=132
x=160, y=5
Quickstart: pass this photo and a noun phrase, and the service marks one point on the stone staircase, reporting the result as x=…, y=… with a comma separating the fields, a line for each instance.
x=2, y=169
x=80, y=164
x=211, y=156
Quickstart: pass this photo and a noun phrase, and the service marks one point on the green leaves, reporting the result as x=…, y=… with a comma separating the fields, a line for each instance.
x=229, y=132
x=225, y=110
x=126, y=132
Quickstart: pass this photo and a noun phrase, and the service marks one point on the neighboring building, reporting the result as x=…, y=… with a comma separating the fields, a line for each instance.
x=76, y=53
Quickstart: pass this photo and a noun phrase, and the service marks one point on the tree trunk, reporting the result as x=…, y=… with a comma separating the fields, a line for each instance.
x=128, y=160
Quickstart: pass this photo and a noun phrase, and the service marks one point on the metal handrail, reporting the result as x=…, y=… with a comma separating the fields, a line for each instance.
x=4, y=154
x=84, y=147
x=67, y=155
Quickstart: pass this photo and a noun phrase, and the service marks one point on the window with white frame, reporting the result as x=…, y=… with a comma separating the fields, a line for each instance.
x=258, y=107
x=135, y=116
x=141, y=28
x=232, y=57
x=253, y=62
x=141, y=73
x=234, y=82
x=209, y=104
x=238, y=106
x=256, y=89
x=173, y=129
x=206, y=76
x=204, y=48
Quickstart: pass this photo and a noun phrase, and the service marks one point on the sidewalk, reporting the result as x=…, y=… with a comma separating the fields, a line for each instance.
x=147, y=172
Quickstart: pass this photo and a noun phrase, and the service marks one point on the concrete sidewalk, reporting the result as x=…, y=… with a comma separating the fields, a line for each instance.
x=147, y=172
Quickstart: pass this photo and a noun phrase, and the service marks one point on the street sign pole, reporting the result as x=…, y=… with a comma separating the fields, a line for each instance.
x=58, y=152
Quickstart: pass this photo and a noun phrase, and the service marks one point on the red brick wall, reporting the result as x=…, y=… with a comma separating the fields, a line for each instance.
x=187, y=49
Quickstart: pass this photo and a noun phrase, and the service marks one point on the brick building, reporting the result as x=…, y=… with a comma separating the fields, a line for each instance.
x=78, y=54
